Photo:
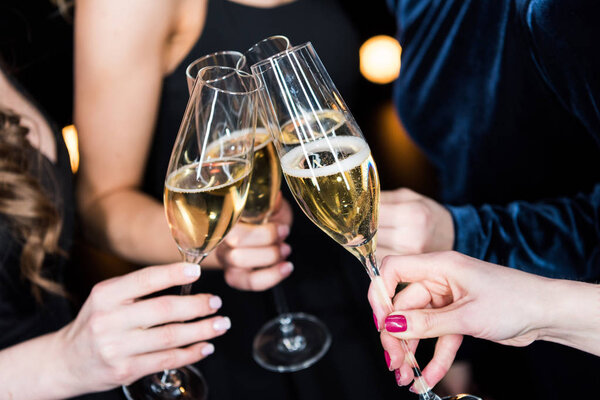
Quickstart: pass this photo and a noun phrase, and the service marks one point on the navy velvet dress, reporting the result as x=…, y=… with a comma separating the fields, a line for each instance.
x=504, y=97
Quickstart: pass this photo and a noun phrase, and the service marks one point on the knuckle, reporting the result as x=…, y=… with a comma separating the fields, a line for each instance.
x=168, y=335
x=108, y=352
x=144, y=279
x=97, y=294
x=97, y=323
x=168, y=360
x=164, y=307
x=122, y=372
x=427, y=323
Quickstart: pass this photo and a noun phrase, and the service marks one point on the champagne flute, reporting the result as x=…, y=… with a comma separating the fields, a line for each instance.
x=326, y=161
x=226, y=58
x=291, y=341
x=205, y=191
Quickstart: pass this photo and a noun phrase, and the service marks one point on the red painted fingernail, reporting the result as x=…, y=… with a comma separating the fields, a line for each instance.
x=398, y=376
x=388, y=360
x=395, y=323
x=376, y=323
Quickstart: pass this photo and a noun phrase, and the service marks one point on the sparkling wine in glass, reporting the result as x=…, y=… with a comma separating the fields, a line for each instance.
x=326, y=161
x=205, y=191
x=290, y=341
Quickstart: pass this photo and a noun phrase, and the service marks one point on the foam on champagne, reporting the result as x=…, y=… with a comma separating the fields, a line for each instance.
x=357, y=148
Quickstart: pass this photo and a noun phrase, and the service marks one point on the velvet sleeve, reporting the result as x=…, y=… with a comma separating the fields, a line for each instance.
x=563, y=38
x=558, y=238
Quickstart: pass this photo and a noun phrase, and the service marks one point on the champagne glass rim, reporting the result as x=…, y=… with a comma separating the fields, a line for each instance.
x=211, y=82
x=260, y=42
x=259, y=66
x=188, y=69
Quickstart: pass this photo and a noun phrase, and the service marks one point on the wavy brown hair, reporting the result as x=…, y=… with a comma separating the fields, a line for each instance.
x=24, y=202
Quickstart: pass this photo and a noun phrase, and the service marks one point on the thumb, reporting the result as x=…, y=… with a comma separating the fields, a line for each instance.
x=425, y=323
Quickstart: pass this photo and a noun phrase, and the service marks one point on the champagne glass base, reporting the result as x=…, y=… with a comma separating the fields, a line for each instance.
x=291, y=342
x=190, y=385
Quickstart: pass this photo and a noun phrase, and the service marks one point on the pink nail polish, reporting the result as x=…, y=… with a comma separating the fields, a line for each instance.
x=412, y=389
x=283, y=231
x=376, y=323
x=398, y=377
x=285, y=250
x=388, y=360
x=395, y=323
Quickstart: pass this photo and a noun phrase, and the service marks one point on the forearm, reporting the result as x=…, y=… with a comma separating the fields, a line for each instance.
x=132, y=225
x=35, y=370
x=573, y=318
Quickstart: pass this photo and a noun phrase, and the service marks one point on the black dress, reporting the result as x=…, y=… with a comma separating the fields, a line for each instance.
x=327, y=281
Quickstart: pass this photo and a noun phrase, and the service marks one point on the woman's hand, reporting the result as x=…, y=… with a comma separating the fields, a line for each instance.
x=410, y=223
x=118, y=337
x=253, y=256
x=453, y=295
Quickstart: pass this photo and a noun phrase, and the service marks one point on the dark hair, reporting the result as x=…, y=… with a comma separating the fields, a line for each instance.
x=24, y=202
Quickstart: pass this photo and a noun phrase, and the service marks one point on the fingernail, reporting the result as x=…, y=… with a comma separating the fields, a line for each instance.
x=376, y=323
x=412, y=389
x=215, y=302
x=191, y=270
x=286, y=268
x=395, y=323
x=222, y=324
x=398, y=377
x=208, y=349
x=285, y=250
x=283, y=231
x=388, y=360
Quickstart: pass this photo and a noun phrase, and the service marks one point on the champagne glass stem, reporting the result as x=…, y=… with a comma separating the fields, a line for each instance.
x=169, y=376
x=291, y=340
x=370, y=264
x=280, y=301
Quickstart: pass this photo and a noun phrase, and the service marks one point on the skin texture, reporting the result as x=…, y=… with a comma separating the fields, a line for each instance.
x=117, y=337
x=118, y=78
x=453, y=295
x=410, y=223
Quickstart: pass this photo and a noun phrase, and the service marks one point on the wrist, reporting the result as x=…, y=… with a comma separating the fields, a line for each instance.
x=573, y=315
x=41, y=358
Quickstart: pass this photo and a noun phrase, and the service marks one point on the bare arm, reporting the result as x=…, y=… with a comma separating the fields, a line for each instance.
x=120, y=60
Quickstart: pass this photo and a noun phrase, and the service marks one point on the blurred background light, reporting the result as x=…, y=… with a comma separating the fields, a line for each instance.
x=380, y=59
x=70, y=137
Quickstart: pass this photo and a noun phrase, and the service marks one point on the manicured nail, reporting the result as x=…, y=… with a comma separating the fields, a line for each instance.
x=191, y=270
x=285, y=250
x=412, y=389
x=286, y=268
x=208, y=349
x=376, y=323
x=222, y=324
x=283, y=231
x=395, y=323
x=388, y=360
x=398, y=377
x=215, y=302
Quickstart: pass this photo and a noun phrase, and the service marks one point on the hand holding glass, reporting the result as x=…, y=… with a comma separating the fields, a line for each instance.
x=325, y=160
x=205, y=190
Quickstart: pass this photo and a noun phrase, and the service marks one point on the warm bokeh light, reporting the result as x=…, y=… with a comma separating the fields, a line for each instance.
x=70, y=137
x=380, y=59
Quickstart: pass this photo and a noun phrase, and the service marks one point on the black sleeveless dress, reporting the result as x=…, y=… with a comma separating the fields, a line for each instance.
x=327, y=281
